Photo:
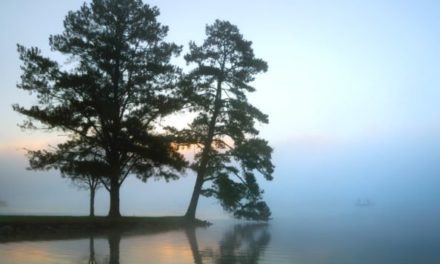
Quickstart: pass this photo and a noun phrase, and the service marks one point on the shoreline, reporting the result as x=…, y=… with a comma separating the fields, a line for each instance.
x=23, y=228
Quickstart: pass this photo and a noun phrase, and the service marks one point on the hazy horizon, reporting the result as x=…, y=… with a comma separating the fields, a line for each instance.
x=352, y=96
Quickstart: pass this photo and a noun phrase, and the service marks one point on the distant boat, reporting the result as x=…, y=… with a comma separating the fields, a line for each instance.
x=363, y=203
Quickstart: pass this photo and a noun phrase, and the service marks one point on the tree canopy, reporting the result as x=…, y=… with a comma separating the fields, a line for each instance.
x=107, y=97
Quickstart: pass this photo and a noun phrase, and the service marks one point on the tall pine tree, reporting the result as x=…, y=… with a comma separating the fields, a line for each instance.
x=117, y=83
x=231, y=153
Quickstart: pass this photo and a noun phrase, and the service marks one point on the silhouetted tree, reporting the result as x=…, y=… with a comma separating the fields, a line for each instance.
x=81, y=166
x=117, y=82
x=91, y=183
x=85, y=178
x=224, y=129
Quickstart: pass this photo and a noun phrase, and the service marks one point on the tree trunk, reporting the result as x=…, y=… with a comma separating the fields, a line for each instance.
x=92, y=201
x=191, y=211
x=114, y=199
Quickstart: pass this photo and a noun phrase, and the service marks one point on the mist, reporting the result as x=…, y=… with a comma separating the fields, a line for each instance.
x=314, y=181
x=386, y=184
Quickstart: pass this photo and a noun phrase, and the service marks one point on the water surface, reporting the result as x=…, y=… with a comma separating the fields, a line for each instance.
x=302, y=241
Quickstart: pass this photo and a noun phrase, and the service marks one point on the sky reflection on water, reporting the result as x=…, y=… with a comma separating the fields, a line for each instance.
x=296, y=241
x=240, y=243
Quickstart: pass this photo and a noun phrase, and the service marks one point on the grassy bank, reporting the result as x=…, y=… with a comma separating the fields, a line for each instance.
x=13, y=228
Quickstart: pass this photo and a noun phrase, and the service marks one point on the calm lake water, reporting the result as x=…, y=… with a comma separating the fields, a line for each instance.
x=300, y=241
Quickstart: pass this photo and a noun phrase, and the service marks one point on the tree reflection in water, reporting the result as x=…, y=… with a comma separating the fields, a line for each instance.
x=243, y=244
x=92, y=259
x=114, y=240
x=194, y=245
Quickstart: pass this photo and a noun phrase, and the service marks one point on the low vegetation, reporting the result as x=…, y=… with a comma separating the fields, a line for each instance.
x=14, y=228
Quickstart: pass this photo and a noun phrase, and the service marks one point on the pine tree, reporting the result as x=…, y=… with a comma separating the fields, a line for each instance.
x=231, y=152
x=107, y=98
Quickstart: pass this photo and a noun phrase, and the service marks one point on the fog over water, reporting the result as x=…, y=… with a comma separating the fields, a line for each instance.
x=351, y=93
x=398, y=178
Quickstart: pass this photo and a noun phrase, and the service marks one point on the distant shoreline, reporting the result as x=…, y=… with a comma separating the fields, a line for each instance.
x=25, y=228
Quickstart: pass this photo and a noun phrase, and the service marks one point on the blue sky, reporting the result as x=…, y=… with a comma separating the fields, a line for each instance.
x=352, y=95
